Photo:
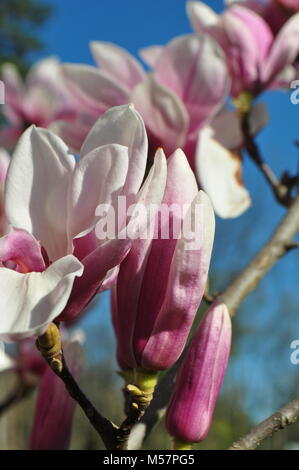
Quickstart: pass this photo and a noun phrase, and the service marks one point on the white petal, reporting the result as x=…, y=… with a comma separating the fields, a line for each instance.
x=219, y=173
x=98, y=179
x=36, y=189
x=30, y=302
x=122, y=125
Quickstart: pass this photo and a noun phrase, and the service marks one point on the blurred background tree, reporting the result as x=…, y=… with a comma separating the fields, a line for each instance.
x=19, y=21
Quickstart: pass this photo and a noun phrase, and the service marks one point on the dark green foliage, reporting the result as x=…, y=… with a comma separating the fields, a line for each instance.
x=19, y=20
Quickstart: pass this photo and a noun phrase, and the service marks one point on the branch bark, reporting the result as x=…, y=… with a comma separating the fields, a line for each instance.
x=281, y=188
x=279, y=420
x=279, y=244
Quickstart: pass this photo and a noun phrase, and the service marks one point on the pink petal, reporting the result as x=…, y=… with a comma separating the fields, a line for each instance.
x=92, y=89
x=186, y=283
x=284, y=50
x=176, y=200
x=22, y=248
x=163, y=112
x=194, y=69
x=110, y=253
x=117, y=63
x=200, y=378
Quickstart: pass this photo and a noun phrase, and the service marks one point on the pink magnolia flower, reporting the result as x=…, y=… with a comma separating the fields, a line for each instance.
x=174, y=100
x=40, y=100
x=55, y=408
x=191, y=407
x=51, y=202
x=256, y=59
x=270, y=10
x=186, y=89
x=161, y=282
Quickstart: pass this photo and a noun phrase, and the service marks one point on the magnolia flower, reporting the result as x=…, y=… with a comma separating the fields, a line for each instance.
x=40, y=100
x=173, y=105
x=186, y=89
x=93, y=91
x=55, y=408
x=161, y=282
x=51, y=203
x=256, y=59
x=198, y=383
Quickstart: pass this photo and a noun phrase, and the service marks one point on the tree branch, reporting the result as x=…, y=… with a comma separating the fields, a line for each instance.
x=279, y=420
x=278, y=245
x=105, y=428
x=281, y=188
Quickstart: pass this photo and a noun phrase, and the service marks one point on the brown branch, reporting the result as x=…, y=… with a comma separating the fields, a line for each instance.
x=278, y=245
x=281, y=188
x=105, y=428
x=279, y=420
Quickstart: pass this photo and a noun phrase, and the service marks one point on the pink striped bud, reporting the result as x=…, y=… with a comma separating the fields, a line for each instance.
x=199, y=380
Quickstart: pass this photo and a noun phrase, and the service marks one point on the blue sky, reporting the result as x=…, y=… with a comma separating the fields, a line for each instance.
x=134, y=24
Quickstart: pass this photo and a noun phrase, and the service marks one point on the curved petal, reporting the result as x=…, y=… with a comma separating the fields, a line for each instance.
x=104, y=169
x=117, y=63
x=163, y=113
x=22, y=248
x=284, y=50
x=93, y=89
x=36, y=190
x=129, y=281
x=29, y=302
x=193, y=67
x=151, y=54
x=201, y=15
x=186, y=283
x=112, y=252
x=122, y=125
x=200, y=377
x=176, y=202
x=219, y=171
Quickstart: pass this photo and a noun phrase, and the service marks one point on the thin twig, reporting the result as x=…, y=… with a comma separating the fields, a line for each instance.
x=278, y=245
x=281, y=188
x=105, y=428
x=279, y=420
